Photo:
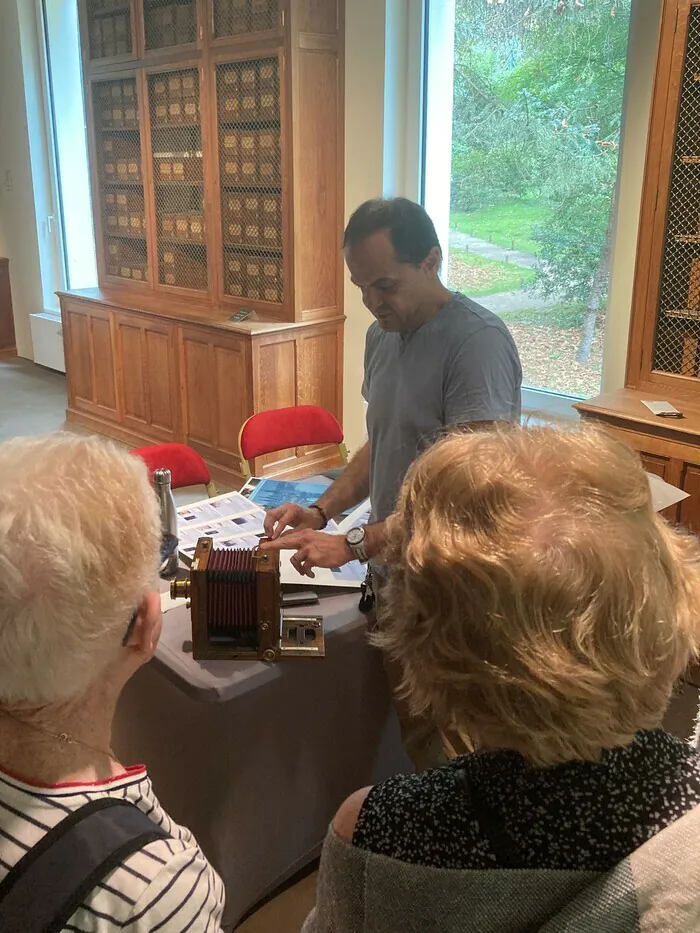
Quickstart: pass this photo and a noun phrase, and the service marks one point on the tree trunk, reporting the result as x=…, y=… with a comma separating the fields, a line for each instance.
x=595, y=297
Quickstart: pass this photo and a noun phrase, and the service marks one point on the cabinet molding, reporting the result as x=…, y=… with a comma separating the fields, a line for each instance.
x=144, y=377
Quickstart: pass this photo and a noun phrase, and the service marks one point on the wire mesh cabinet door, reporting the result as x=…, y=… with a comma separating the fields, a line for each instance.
x=108, y=28
x=118, y=180
x=169, y=24
x=665, y=333
x=177, y=148
x=251, y=188
x=234, y=19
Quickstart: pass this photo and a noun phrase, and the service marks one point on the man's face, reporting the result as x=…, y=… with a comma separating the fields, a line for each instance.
x=393, y=291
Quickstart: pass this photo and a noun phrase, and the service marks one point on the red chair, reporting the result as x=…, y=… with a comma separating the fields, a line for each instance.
x=282, y=428
x=186, y=467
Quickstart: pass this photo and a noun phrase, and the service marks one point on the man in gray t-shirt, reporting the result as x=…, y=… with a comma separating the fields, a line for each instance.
x=433, y=360
x=460, y=367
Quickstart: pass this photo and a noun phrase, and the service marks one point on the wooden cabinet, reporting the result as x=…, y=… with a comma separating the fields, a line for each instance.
x=7, y=322
x=216, y=150
x=215, y=132
x=690, y=508
x=665, y=331
x=147, y=376
x=216, y=392
x=88, y=334
x=670, y=449
x=143, y=376
x=663, y=360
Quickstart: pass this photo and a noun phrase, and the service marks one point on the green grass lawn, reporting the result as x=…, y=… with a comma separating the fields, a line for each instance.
x=476, y=275
x=508, y=225
x=560, y=316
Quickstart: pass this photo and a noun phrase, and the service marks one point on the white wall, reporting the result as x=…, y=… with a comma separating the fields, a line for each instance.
x=383, y=85
x=364, y=177
x=25, y=190
x=18, y=233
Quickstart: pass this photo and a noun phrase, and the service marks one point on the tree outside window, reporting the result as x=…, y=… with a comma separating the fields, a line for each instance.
x=538, y=90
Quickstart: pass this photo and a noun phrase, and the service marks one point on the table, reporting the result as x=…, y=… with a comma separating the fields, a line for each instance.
x=256, y=758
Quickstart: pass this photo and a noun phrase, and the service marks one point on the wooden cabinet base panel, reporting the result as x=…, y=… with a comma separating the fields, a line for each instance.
x=144, y=377
x=8, y=354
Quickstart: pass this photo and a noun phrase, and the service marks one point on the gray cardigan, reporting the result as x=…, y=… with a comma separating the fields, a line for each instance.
x=654, y=890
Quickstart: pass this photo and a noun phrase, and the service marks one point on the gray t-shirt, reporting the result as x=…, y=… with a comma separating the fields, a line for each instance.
x=461, y=366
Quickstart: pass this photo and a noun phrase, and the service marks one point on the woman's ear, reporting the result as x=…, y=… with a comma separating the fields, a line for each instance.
x=147, y=628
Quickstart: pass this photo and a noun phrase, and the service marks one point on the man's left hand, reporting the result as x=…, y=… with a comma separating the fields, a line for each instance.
x=313, y=549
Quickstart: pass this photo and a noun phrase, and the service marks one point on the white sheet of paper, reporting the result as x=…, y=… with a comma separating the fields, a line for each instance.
x=350, y=576
x=658, y=408
x=663, y=494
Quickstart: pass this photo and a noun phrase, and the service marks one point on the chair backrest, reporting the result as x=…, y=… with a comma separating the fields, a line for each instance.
x=282, y=428
x=186, y=466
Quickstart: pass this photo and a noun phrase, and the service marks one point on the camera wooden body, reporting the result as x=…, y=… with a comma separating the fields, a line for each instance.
x=236, y=607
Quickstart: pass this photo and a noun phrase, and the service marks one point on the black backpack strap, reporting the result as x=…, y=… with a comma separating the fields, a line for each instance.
x=48, y=884
x=502, y=843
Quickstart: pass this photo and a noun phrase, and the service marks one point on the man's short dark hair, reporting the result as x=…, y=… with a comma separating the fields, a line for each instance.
x=411, y=231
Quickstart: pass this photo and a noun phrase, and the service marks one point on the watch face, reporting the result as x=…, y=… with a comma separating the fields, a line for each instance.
x=355, y=536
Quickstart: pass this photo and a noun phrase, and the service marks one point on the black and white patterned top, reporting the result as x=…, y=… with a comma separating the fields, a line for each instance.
x=493, y=810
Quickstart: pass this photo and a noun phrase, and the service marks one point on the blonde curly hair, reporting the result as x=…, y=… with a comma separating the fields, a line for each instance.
x=535, y=600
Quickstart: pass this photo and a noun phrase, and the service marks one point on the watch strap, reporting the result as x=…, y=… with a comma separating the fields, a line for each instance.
x=359, y=550
x=322, y=512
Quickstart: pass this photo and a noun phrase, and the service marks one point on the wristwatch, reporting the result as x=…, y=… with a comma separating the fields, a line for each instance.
x=356, y=540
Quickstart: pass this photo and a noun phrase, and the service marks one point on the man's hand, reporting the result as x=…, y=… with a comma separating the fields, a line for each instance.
x=313, y=549
x=290, y=515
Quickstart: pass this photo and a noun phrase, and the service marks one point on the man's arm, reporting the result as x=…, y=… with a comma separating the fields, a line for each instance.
x=351, y=488
x=322, y=550
x=317, y=549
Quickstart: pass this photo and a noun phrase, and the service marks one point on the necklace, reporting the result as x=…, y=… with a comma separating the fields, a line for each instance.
x=63, y=738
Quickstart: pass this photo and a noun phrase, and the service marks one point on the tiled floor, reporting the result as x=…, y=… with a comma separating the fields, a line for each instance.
x=33, y=401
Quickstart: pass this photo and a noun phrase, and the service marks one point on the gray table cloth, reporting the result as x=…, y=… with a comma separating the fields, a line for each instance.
x=256, y=758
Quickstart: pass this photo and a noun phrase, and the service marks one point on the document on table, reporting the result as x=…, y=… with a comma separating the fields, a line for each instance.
x=235, y=522
x=230, y=519
x=269, y=493
x=663, y=495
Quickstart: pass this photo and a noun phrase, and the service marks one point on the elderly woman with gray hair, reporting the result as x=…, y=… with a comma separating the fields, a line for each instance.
x=540, y=607
x=79, y=615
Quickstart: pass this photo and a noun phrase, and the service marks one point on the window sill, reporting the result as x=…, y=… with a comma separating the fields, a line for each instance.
x=548, y=406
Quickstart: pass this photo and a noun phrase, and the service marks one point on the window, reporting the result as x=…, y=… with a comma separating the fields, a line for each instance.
x=530, y=93
x=67, y=118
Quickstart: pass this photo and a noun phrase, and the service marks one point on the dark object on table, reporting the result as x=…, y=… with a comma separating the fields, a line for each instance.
x=237, y=608
x=291, y=598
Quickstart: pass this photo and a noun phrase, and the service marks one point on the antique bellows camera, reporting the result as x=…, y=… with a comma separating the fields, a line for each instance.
x=236, y=605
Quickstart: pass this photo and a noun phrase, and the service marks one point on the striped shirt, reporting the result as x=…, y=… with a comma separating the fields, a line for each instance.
x=168, y=886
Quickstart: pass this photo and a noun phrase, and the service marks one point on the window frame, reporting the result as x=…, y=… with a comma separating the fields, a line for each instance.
x=541, y=401
x=54, y=220
x=57, y=220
